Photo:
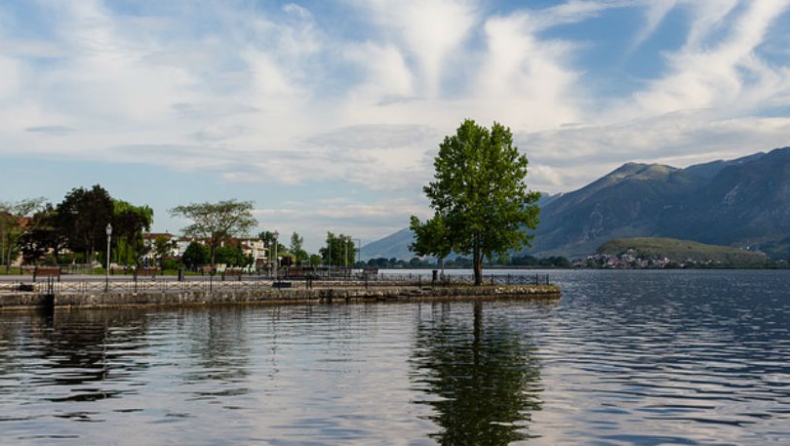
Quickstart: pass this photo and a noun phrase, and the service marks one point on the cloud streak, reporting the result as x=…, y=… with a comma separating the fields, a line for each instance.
x=358, y=94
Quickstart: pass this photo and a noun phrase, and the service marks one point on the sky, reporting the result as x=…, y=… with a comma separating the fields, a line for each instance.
x=327, y=114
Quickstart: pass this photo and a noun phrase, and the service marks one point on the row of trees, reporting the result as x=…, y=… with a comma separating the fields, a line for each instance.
x=77, y=225
x=76, y=229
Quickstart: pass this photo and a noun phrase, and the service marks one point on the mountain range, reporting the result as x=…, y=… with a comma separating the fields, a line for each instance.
x=743, y=203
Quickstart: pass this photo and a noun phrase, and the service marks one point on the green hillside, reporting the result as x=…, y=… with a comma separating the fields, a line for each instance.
x=681, y=252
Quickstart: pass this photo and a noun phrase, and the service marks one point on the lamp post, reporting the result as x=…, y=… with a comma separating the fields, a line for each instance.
x=276, y=263
x=108, y=230
x=359, y=251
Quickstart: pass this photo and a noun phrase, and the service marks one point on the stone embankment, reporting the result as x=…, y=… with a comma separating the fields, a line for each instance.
x=273, y=296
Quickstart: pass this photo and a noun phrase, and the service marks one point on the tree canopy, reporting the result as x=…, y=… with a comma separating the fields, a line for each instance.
x=340, y=250
x=300, y=255
x=217, y=222
x=128, y=224
x=481, y=204
x=82, y=217
x=15, y=219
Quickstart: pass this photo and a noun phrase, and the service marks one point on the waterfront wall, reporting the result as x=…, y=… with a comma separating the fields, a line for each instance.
x=273, y=296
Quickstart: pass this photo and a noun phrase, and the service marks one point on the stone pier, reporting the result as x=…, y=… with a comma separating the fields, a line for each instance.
x=274, y=296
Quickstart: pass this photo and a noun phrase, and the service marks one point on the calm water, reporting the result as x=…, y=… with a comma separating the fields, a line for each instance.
x=625, y=358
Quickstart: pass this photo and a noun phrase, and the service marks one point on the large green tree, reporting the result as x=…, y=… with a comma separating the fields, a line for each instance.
x=216, y=222
x=82, y=217
x=481, y=204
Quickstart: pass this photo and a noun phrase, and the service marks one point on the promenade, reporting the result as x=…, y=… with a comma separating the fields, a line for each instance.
x=91, y=291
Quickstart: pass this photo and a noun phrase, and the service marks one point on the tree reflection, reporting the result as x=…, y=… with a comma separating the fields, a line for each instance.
x=482, y=380
x=78, y=356
x=219, y=345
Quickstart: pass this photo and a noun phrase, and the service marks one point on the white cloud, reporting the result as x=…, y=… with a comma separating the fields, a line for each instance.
x=287, y=97
x=655, y=12
x=430, y=32
x=718, y=67
x=524, y=77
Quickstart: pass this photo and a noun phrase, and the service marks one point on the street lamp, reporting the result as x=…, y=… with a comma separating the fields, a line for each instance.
x=275, y=235
x=108, y=230
x=359, y=251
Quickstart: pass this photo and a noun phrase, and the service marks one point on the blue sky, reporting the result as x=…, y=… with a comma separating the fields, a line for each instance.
x=327, y=115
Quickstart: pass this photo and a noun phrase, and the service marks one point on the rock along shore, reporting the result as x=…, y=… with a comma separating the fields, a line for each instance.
x=273, y=296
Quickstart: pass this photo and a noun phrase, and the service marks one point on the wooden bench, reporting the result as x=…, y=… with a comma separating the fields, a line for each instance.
x=208, y=270
x=237, y=273
x=299, y=273
x=281, y=284
x=47, y=271
x=146, y=272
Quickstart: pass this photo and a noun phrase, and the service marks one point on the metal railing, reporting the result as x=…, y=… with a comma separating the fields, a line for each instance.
x=169, y=284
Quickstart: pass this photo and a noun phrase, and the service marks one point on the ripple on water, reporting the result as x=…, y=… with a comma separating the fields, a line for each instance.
x=639, y=358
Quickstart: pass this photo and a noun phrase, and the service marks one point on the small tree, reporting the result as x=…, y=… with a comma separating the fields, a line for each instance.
x=15, y=219
x=195, y=255
x=163, y=245
x=481, y=204
x=216, y=222
x=296, y=249
x=339, y=250
x=231, y=256
x=129, y=223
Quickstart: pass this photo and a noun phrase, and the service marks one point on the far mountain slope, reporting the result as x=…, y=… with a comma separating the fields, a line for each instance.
x=740, y=203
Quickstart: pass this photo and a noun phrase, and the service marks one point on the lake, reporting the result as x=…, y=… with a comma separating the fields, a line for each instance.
x=623, y=358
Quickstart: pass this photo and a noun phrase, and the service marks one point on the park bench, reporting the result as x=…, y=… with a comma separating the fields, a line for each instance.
x=146, y=272
x=47, y=271
x=237, y=273
x=299, y=273
x=208, y=270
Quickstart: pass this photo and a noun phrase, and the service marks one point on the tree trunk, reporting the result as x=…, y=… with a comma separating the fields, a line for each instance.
x=477, y=261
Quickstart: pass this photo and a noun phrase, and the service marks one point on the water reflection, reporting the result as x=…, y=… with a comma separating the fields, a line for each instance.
x=481, y=377
x=217, y=344
x=63, y=360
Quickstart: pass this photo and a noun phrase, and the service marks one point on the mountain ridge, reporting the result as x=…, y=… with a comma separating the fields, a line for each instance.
x=742, y=203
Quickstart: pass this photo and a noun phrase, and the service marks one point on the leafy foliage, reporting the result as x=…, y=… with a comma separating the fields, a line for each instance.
x=195, y=255
x=217, y=222
x=163, y=245
x=232, y=256
x=340, y=250
x=481, y=204
x=14, y=222
x=82, y=217
x=41, y=237
x=128, y=224
x=300, y=255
